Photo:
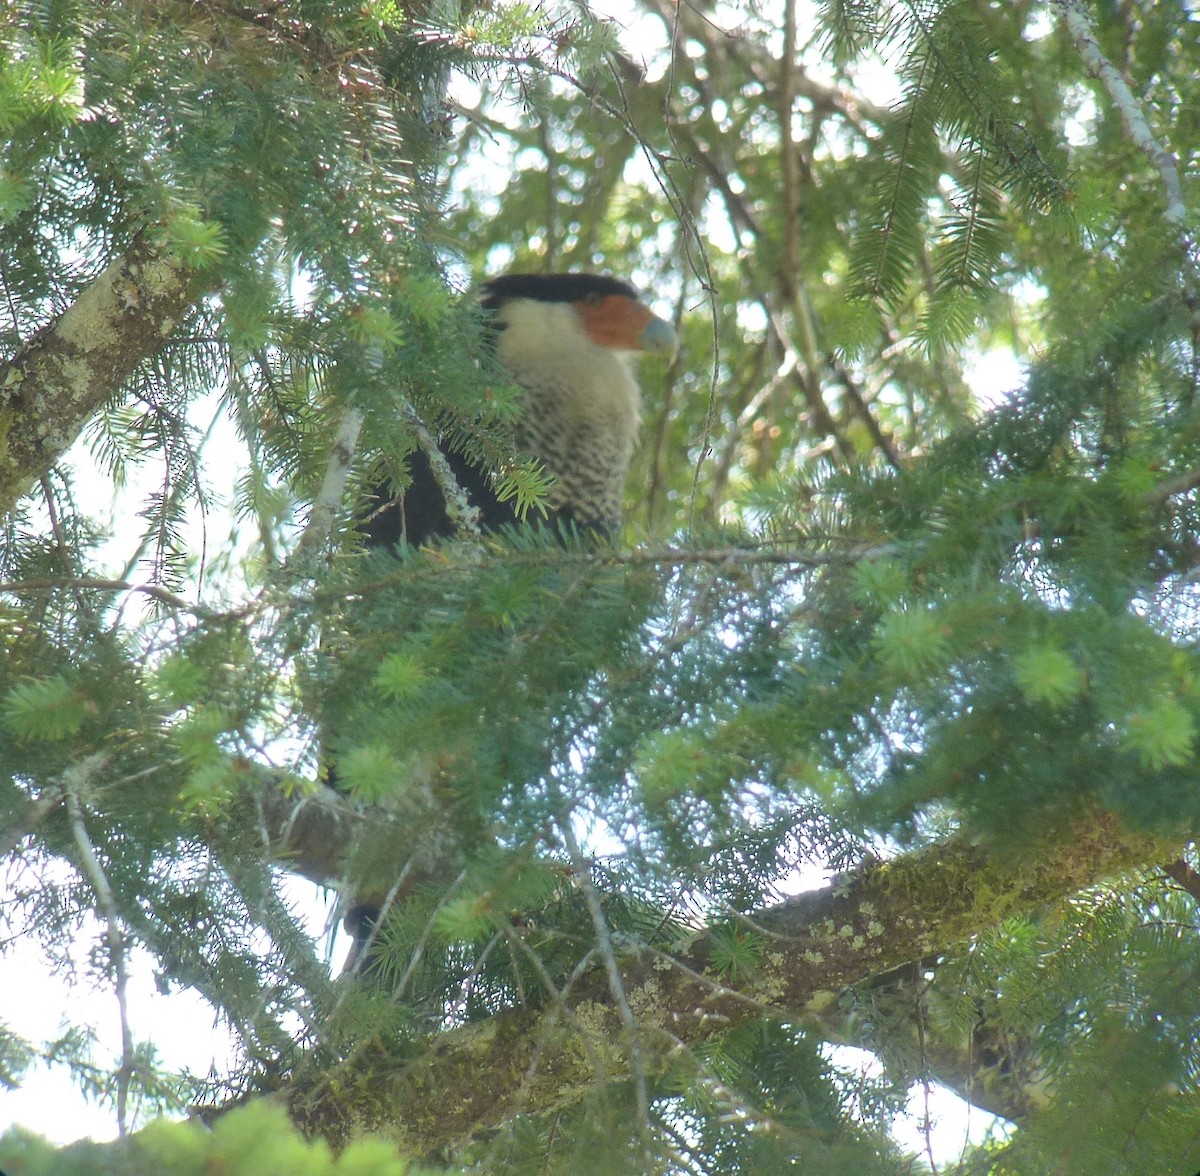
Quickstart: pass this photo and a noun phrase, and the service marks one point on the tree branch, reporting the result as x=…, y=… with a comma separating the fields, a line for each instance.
x=1137, y=127
x=326, y=837
x=73, y=783
x=323, y=519
x=879, y=918
x=1183, y=875
x=53, y=386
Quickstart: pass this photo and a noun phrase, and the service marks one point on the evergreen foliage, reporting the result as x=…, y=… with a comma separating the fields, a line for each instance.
x=858, y=620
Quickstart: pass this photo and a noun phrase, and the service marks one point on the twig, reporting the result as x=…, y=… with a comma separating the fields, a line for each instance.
x=64, y=547
x=162, y=595
x=559, y=1008
x=1180, y=484
x=418, y=951
x=325, y=509
x=363, y=950
x=789, y=166
x=73, y=780
x=858, y=402
x=795, y=295
x=664, y=557
x=616, y=986
x=178, y=488
x=464, y=517
x=35, y=812
x=808, y=376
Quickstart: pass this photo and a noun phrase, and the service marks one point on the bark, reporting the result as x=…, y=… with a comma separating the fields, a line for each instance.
x=327, y=838
x=539, y=1060
x=53, y=386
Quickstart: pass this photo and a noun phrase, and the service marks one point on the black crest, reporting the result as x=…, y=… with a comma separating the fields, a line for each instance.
x=550, y=288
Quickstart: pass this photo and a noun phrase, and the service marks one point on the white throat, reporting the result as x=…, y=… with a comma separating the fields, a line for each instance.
x=547, y=349
x=582, y=404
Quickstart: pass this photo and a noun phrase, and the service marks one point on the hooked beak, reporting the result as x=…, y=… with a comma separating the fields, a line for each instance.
x=658, y=337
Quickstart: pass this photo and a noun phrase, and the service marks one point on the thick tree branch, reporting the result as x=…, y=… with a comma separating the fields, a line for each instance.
x=327, y=838
x=53, y=386
x=540, y=1060
x=995, y=1069
x=1185, y=877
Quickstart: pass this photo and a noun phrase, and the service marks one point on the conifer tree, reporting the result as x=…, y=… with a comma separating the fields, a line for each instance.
x=863, y=622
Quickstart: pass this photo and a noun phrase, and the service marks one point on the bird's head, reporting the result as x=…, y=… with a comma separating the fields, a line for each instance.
x=610, y=311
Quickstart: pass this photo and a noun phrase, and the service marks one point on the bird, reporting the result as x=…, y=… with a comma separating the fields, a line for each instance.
x=570, y=342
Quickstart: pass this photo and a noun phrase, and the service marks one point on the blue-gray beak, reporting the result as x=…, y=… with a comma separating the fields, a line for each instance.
x=659, y=338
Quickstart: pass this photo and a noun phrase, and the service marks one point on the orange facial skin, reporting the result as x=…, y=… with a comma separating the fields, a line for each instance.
x=624, y=324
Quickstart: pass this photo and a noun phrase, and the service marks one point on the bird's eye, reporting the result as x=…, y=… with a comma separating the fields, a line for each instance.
x=593, y=299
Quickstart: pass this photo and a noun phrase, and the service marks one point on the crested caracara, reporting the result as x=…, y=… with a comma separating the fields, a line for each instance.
x=570, y=341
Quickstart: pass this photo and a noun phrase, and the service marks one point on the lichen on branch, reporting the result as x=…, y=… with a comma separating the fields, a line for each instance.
x=53, y=386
